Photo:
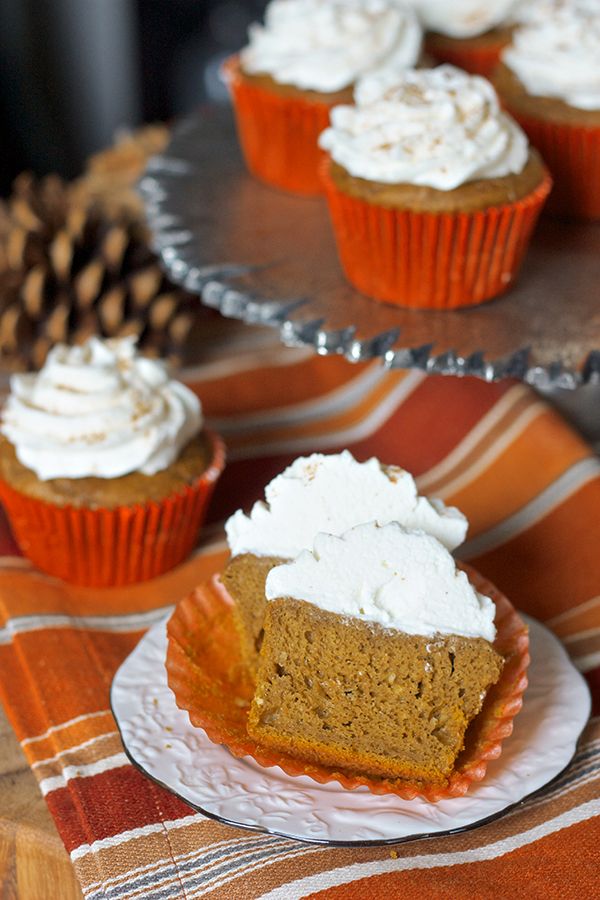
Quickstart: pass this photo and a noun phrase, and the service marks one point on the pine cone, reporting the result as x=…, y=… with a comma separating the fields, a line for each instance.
x=67, y=271
x=111, y=175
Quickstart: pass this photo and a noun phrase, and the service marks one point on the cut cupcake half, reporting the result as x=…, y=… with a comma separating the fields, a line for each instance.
x=210, y=681
x=377, y=655
x=319, y=493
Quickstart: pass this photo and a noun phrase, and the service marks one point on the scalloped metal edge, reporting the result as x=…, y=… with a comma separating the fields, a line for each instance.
x=216, y=288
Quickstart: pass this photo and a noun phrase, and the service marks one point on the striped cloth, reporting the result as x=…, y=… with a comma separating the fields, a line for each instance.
x=531, y=488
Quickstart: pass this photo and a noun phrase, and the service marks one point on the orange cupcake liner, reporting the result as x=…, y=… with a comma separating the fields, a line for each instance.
x=572, y=153
x=476, y=60
x=112, y=547
x=278, y=134
x=206, y=673
x=431, y=260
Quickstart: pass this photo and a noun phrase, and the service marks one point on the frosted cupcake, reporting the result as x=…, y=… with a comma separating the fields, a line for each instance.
x=378, y=653
x=550, y=82
x=105, y=467
x=319, y=493
x=305, y=59
x=468, y=33
x=433, y=190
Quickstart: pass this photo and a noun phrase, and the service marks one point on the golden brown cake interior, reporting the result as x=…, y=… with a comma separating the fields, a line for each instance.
x=353, y=694
x=244, y=579
x=469, y=197
x=108, y=493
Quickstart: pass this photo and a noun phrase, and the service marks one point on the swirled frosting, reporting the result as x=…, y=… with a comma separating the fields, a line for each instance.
x=401, y=579
x=556, y=53
x=465, y=18
x=435, y=127
x=99, y=410
x=326, y=45
x=333, y=493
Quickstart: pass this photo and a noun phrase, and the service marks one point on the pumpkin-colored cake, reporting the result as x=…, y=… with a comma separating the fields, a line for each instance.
x=433, y=190
x=106, y=469
x=469, y=34
x=471, y=197
x=303, y=60
x=109, y=493
x=478, y=54
x=377, y=655
x=244, y=579
x=549, y=80
x=319, y=493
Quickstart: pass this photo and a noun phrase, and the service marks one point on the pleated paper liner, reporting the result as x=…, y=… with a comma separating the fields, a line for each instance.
x=278, y=134
x=478, y=59
x=431, y=260
x=209, y=680
x=113, y=547
x=572, y=153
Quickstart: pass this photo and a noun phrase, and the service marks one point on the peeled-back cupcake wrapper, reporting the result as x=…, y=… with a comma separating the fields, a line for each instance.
x=206, y=673
x=431, y=260
x=278, y=134
x=112, y=547
x=572, y=153
x=477, y=60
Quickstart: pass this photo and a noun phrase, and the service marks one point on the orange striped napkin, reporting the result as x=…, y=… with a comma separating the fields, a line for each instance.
x=531, y=488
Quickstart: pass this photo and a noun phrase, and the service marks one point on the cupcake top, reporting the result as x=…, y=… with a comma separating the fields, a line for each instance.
x=405, y=580
x=326, y=45
x=435, y=127
x=556, y=53
x=333, y=493
x=99, y=410
x=465, y=18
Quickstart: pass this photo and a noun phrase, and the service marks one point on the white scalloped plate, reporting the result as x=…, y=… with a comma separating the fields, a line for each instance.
x=160, y=740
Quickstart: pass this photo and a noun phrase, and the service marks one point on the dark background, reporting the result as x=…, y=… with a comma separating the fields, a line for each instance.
x=72, y=72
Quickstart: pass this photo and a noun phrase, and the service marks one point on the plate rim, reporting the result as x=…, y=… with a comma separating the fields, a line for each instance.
x=327, y=842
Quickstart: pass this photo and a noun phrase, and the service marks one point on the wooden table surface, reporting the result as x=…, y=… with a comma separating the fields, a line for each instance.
x=34, y=864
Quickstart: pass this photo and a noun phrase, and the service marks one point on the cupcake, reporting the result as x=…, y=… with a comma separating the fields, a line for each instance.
x=383, y=665
x=549, y=80
x=301, y=62
x=378, y=653
x=433, y=191
x=105, y=467
x=469, y=34
x=319, y=493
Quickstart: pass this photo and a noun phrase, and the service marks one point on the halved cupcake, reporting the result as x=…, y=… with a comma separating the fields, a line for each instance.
x=305, y=59
x=377, y=679
x=378, y=654
x=106, y=470
x=319, y=493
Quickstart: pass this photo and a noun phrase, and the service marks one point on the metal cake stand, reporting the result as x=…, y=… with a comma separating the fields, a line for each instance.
x=268, y=258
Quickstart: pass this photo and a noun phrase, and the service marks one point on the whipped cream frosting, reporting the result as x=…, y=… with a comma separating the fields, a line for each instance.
x=405, y=580
x=326, y=45
x=556, y=53
x=435, y=127
x=333, y=493
x=99, y=410
x=465, y=18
